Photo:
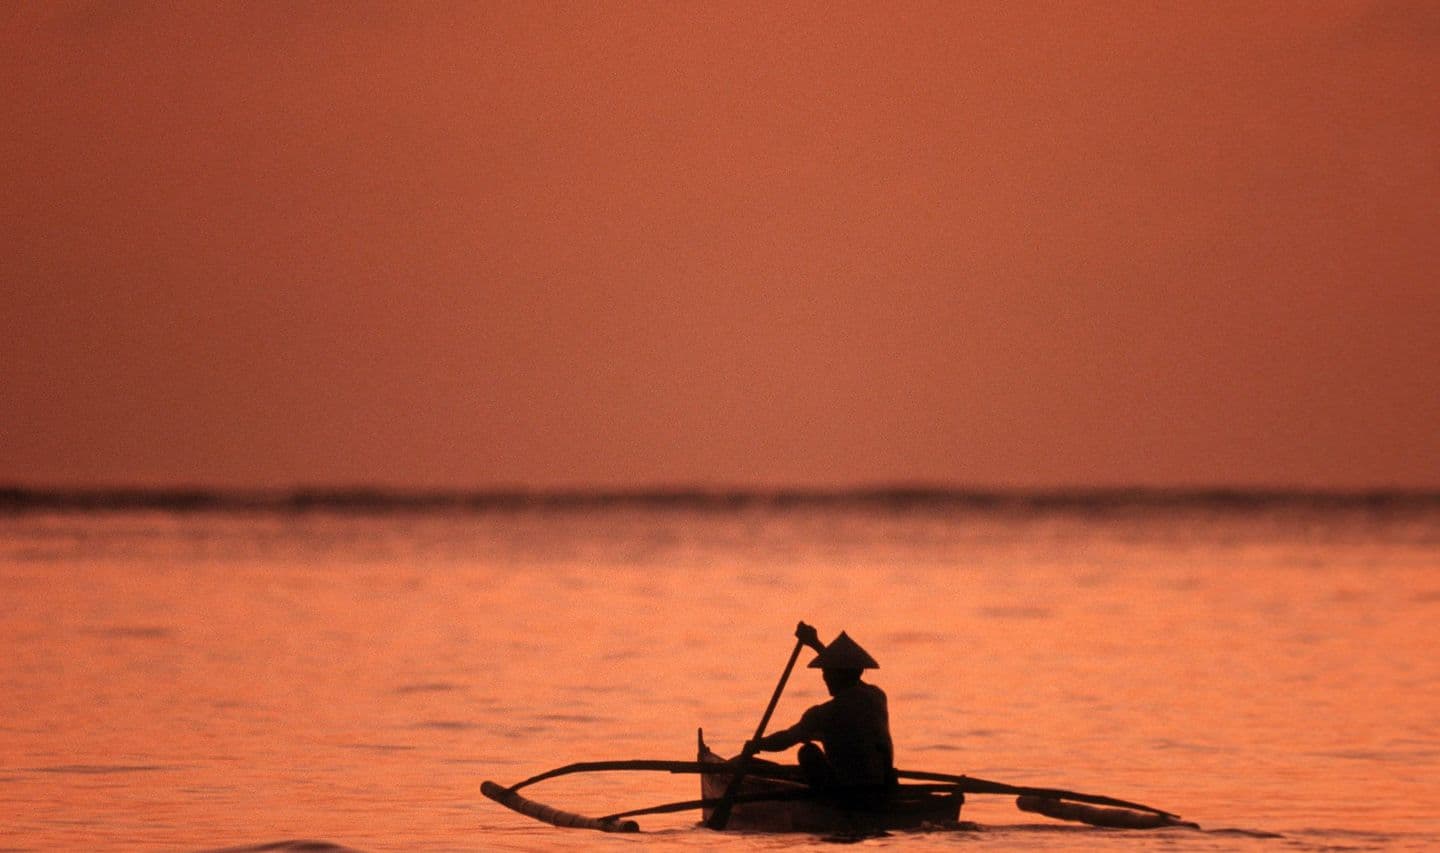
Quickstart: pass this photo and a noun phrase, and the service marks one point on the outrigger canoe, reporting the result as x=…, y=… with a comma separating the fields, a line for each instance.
x=774, y=798
x=760, y=796
x=769, y=804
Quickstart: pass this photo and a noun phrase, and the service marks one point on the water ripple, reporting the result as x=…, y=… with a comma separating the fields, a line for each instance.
x=95, y=769
x=1016, y=612
x=428, y=687
x=132, y=632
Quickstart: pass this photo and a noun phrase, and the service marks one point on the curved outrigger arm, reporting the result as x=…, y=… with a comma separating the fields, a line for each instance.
x=508, y=796
x=767, y=771
x=617, y=822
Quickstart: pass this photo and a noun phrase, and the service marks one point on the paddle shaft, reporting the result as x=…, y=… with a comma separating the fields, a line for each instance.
x=721, y=815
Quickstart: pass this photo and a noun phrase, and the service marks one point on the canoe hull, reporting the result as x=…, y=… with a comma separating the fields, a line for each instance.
x=906, y=811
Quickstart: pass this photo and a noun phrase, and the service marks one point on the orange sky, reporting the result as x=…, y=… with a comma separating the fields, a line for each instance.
x=534, y=244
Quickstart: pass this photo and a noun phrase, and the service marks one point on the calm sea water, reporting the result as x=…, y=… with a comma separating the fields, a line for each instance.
x=174, y=681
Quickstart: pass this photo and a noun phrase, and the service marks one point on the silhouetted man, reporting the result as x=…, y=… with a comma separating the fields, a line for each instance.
x=855, y=759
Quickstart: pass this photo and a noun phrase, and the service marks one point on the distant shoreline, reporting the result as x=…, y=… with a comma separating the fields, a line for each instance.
x=16, y=499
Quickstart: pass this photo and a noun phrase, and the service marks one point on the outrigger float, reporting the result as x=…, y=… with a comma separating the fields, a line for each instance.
x=748, y=794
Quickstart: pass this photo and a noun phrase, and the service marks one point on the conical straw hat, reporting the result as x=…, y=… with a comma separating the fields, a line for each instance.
x=844, y=653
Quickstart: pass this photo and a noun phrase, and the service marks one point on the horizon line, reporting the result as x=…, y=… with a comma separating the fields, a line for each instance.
x=17, y=497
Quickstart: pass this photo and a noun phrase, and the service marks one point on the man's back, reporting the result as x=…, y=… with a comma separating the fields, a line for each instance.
x=854, y=729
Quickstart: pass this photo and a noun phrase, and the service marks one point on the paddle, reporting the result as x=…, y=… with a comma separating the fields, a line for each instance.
x=804, y=635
